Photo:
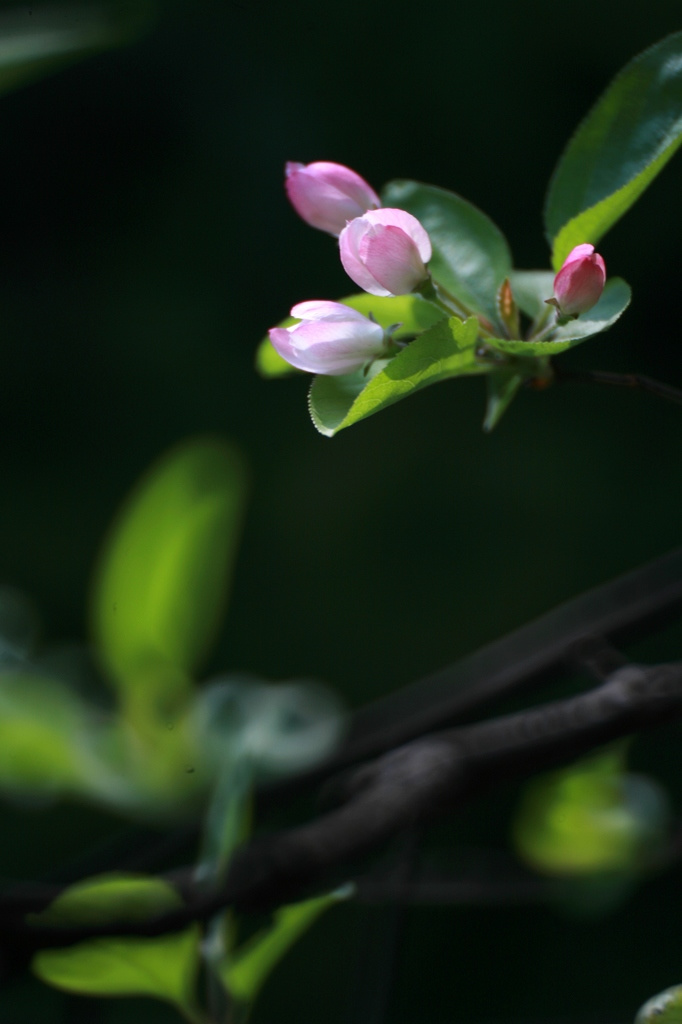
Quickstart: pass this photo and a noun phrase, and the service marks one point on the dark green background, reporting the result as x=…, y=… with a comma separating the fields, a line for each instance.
x=146, y=245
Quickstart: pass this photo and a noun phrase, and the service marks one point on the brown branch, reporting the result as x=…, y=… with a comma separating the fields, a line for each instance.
x=405, y=786
x=622, y=610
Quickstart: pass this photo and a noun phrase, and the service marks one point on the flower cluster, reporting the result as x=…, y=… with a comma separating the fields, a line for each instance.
x=382, y=250
x=386, y=252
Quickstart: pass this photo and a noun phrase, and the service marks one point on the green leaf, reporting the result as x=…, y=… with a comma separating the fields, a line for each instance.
x=446, y=350
x=161, y=585
x=613, y=303
x=471, y=257
x=164, y=967
x=531, y=288
x=591, y=817
x=44, y=731
x=108, y=899
x=412, y=312
x=623, y=143
x=245, y=972
x=38, y=41
x=664, y=1008
x=502, y=388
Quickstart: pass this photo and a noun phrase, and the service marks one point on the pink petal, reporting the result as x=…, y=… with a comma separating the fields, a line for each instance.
x=390, y=217
x=576, y=254
x=349, y=241
x=392, y=258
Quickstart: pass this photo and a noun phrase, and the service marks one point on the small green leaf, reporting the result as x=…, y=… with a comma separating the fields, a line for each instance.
x=471, y=257
x=502, y=388
x=38, y=41
x=164, y=967
x=160, y=589
x=613, y=303
x=412, y=312
x=664, y=1008
x=446, y=350
x=245, y=972
x=531, y=288
x=623, y=143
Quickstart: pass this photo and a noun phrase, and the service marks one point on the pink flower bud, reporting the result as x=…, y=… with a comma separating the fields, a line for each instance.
x=580, y=282
x=385, y=252
x=331, y=338
x=327, y=195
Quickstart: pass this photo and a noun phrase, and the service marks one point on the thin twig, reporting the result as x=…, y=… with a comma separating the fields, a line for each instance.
x=622, y=380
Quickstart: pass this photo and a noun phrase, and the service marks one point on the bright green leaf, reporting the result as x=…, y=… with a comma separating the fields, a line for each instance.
x=160, y=590
x=471, y=257
x=623, y=143
x=446, y=350
x=502, y=388
x=412, y=312
x=245, y=972
x=613, y=303
x=591, y=817
x=40, y=40
x=164, y=967
x=664, y=1008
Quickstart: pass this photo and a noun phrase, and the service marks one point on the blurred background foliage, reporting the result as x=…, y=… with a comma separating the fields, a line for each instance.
x=146, y=246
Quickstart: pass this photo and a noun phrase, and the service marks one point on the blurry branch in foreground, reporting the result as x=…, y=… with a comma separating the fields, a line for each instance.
x=405, y=761
x=383, y=797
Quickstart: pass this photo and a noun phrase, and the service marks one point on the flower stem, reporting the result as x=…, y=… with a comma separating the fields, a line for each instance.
x=545, y=331
x=434, y=292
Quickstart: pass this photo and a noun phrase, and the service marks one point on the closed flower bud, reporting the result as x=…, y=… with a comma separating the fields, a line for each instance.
x=580, y=282
x=328, y=195
x=331, y=338
x=386, y=252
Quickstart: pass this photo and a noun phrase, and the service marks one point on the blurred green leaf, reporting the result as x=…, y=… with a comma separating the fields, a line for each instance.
x=279, y=728
x=160, y=589
x=35, y=41
x=613, y=303
x=623, y=143
x=502, y=387
x=471, y=257
x=664, y=1008
x=248, y=968
x=412, y=312
x=110, y=898
x=165, y=967
x=445, y=350
x=44, y=736
x=592, y=817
